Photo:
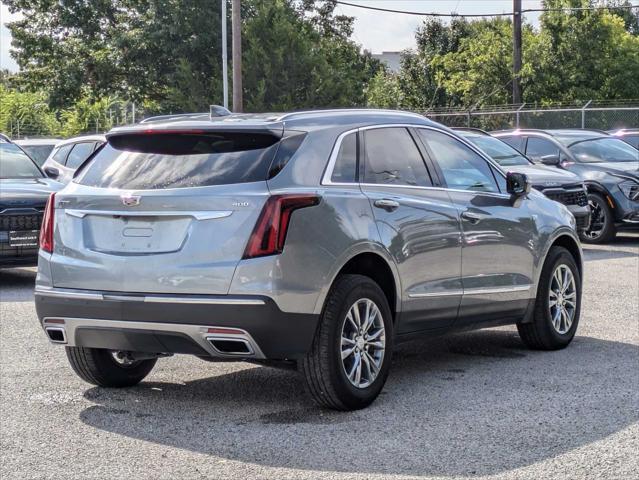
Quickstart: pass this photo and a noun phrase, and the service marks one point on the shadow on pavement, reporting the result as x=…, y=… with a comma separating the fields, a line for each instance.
x=469, y=404
x=17, y=284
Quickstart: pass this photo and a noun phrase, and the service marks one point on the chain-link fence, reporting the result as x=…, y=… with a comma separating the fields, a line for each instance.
x=595, y=115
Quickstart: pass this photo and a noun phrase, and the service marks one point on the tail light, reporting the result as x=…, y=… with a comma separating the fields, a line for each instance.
x=46, y=230
x=269, y=234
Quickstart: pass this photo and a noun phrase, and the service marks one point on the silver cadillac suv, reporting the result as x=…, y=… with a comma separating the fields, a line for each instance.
x=319, y=239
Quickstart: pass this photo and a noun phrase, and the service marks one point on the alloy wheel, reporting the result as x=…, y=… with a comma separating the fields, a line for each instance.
x=562, y=299
x=597, y=220
x=363, y=343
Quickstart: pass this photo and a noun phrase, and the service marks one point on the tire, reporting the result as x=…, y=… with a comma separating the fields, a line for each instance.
x=98, y=367
x=602, y=223
x=542, y=333
x=323, y=368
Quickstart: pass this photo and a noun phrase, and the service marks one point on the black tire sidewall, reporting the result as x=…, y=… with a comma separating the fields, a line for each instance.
x=558, y=256
x=353, y=396
x=608, y=232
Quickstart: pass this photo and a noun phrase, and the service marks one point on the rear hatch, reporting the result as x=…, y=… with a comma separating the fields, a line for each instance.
x=166, y=212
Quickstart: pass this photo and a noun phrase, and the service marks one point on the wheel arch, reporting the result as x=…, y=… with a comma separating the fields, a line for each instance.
x=374, y=262
x=570, y=243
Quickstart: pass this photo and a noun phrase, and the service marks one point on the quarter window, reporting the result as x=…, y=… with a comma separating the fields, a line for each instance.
x=462, y=168
x=392, y=158
x=345, y=168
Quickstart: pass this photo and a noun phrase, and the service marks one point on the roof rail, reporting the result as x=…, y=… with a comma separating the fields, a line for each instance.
x=214, y=111
x=288, y=116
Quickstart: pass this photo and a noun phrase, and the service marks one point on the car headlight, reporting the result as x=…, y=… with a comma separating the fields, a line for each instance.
x=630, y=189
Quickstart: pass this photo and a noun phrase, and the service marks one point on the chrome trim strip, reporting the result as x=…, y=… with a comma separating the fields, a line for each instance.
x=473, y=291
x=131, y=213
x=198, y=333
x=57, y=293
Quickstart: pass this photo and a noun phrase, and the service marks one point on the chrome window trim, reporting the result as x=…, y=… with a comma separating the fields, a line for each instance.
x=474, y=291
x=328, y=173
x=135, y=213
x=150, y=298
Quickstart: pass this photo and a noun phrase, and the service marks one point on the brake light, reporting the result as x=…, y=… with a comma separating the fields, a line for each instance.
x=269, y=234
x=46, y=230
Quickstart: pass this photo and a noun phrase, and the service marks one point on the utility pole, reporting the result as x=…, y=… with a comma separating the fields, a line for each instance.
x=225, y=58
x=236, y=28
x=516, y=51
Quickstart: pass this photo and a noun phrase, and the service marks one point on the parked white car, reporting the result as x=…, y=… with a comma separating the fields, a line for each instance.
x=69, y=154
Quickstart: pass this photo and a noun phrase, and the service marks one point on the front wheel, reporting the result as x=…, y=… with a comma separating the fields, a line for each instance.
x=602, y=222
x=108, y=368
x=557, y=306
x=349, y=360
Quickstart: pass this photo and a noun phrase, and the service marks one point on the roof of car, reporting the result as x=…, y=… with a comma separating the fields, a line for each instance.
x=83, y=138
x=38, y=141
x=624, y=131
x=567, y=136
x=472, y=132
x=312, y=119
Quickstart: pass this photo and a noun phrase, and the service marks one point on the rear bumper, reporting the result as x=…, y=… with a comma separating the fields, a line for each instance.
x=175, y=324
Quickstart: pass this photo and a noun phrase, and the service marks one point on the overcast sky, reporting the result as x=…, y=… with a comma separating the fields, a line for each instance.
x=375, y=31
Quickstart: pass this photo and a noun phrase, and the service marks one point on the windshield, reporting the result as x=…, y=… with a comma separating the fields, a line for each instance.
x=599, y=150
x=14, y=163
x=501, y=152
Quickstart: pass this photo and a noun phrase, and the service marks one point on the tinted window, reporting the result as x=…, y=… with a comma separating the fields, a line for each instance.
x=345, y=169
x=515, y=141
x=392, y=158
x=632, y=140
x=79, y=154
x=38, y=153
x=462, y=168
x=604, y=150
x=285, y=152
x=180, y=160
x=540, y=147
x=501, y=152
x=14, y=163
x=60, y=155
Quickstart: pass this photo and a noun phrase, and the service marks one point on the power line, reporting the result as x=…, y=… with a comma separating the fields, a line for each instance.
x=481, y=15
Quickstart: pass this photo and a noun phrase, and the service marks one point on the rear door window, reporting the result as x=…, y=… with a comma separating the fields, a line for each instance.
x=392, y=158
x=180, y=160
x=79, y=154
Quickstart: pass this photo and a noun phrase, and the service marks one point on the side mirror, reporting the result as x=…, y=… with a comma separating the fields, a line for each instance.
x=517, y=184
x=550, y=159
x=52, y=172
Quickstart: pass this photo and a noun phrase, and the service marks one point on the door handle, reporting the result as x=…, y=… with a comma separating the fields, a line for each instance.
x=386, y=204
x=473, y=218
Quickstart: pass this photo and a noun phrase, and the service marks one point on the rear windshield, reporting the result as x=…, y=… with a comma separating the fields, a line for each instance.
x=14, y=163
x=157, y=161
x=499, y=151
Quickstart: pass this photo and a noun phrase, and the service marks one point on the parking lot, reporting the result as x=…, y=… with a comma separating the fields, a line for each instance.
x=475, y=405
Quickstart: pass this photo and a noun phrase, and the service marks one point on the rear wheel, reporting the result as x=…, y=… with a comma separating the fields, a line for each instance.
x=349, y=360
x=602, y=222
x=558, y=304
x=108, y=368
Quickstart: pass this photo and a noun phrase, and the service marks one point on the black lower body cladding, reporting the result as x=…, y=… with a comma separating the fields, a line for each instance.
x=280, y=335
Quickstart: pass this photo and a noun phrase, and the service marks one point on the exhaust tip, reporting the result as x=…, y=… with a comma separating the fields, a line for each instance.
x=231, y=346
x=56, y=334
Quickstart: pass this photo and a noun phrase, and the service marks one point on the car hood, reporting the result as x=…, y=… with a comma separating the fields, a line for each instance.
x=26, y=192
x=541, y=175
x=630, y=169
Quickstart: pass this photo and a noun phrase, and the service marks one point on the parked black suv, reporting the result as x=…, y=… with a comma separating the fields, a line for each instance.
x=608, y=166
x=561, y=186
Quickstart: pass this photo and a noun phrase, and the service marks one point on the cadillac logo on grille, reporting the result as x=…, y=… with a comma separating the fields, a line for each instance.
x=130, y=200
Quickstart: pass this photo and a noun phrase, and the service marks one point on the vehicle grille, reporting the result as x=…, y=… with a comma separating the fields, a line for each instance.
x=574, y=197
x=20, y=222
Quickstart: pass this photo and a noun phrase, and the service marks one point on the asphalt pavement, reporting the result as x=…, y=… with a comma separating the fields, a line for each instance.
x=476, y=405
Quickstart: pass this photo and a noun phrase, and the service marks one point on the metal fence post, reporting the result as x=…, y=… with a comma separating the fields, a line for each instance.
x=583, y=114
x=517, y=115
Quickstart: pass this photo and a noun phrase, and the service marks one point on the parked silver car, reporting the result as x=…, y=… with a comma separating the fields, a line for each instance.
x=317, y=238
x=69, y=154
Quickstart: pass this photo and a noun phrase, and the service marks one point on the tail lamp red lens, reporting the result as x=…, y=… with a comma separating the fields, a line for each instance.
x=46, y=229
x=270, y=231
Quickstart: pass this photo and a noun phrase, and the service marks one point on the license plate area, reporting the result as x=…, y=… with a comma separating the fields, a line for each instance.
x=24, y=238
